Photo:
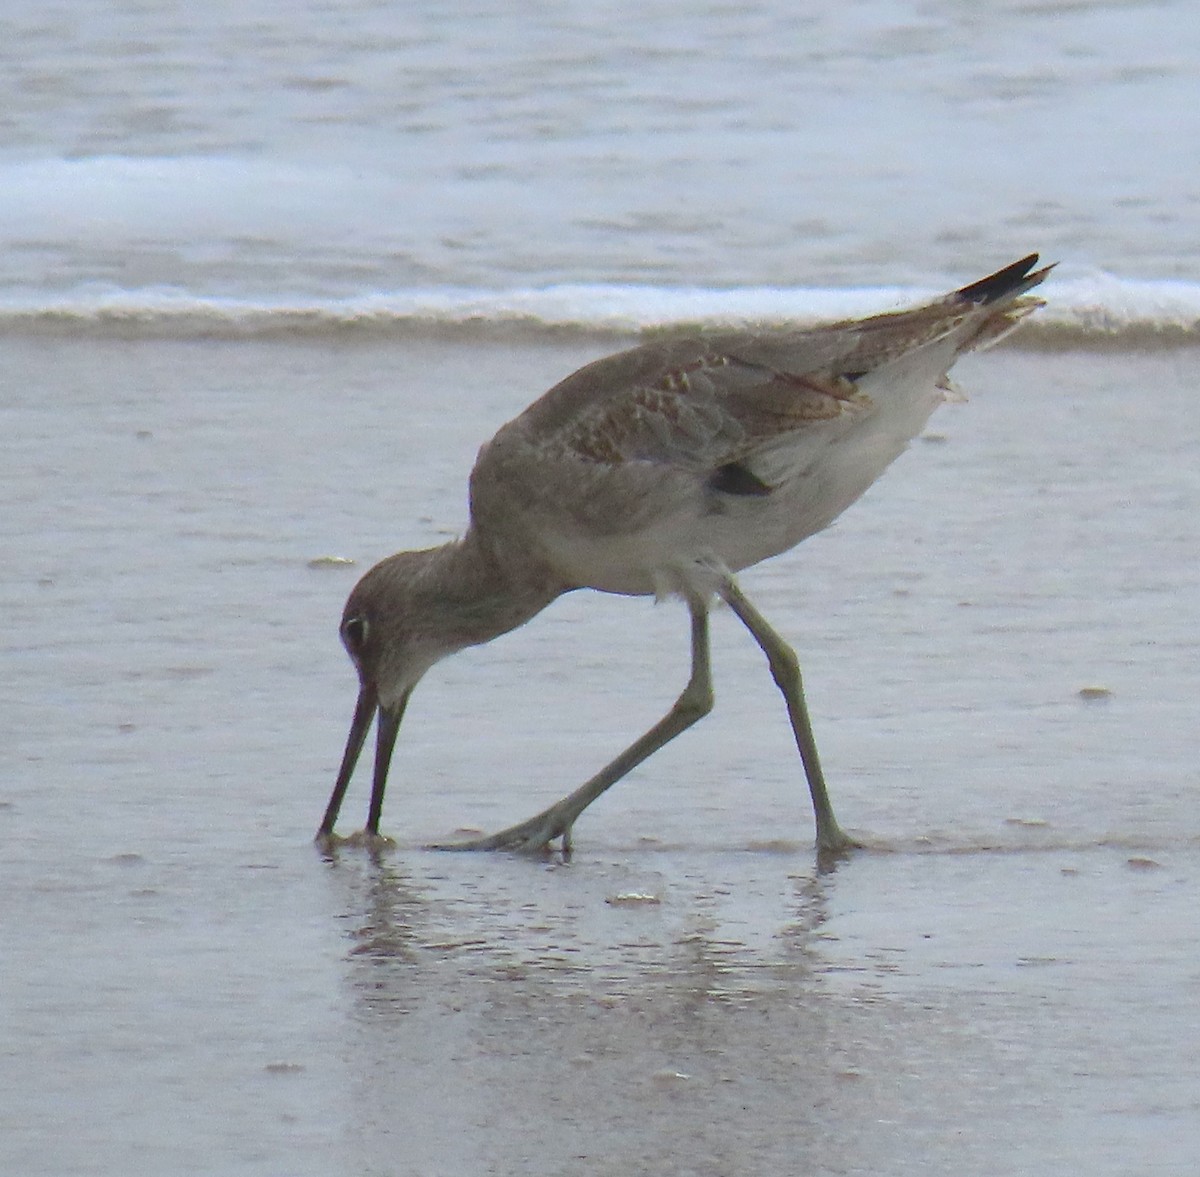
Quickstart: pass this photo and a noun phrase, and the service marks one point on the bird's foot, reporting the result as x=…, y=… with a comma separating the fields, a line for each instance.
x=528, y=837
x=834, y=847
x=833, y=843
x=330, y=843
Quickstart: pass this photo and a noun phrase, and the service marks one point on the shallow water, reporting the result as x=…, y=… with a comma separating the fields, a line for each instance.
x=1008, y=977
x=259, y=149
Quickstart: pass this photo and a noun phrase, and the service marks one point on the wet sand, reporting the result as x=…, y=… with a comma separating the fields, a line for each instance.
x=1007, y=979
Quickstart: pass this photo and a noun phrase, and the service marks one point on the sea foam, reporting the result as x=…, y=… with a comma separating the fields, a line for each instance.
x=1094, y=309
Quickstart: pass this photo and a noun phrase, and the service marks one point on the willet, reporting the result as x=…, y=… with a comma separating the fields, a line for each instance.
x=664, y=470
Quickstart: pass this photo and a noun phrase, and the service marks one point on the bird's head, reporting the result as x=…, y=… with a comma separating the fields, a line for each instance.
x=390, y=628
x=406, y=613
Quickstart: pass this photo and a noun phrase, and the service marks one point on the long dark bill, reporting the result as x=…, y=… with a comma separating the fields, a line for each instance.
x=364, y=712
x=385, y=741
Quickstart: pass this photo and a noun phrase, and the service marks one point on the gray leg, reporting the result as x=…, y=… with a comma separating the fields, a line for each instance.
x=785, y=669
x=693, y=704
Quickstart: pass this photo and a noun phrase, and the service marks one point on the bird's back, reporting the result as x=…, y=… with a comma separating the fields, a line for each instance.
x=733, y=445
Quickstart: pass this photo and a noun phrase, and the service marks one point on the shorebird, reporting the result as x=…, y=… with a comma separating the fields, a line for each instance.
x=664, y=470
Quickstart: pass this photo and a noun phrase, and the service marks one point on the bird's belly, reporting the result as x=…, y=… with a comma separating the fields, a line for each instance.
x=673, y=554
x=630, y=563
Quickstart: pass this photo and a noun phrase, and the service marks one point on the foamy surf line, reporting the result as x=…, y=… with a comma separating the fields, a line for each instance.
x=1093, y=311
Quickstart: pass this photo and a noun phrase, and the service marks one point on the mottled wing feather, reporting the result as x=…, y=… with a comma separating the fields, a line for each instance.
x=652, y=424
x=766, y=400
x=711, y=412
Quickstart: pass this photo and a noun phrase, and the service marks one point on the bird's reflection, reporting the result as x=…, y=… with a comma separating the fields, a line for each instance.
x=422, y=925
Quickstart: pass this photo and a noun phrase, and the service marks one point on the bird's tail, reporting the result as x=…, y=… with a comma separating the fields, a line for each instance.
x=1002, y=291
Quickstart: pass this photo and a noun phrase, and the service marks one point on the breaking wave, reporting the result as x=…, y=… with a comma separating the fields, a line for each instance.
x=1092, y=311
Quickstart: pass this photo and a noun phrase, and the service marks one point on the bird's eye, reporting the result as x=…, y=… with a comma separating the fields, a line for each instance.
x=354, y=634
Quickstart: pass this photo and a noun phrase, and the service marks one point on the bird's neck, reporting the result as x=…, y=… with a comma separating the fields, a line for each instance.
x=487, y=594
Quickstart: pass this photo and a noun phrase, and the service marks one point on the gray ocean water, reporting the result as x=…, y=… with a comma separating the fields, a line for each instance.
x=325, y=149
x=269, y=275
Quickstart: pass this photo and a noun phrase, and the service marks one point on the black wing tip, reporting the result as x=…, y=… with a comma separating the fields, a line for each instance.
x=735, y=479
x=1006, y=283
